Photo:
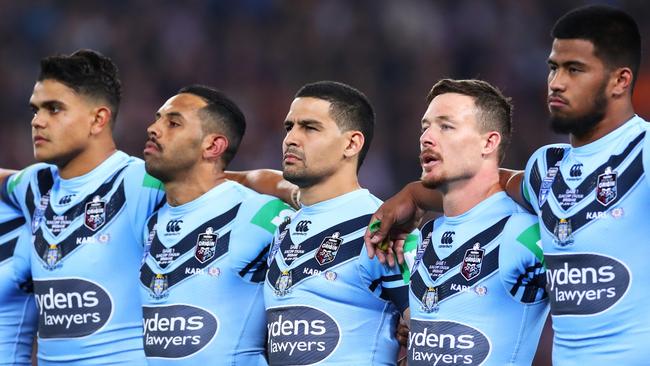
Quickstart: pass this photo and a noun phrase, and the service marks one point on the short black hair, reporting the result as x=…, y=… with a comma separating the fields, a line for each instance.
x=495, y=110
x=350, y=109
x=88, y=73
x=221, y=115
x=614, y=34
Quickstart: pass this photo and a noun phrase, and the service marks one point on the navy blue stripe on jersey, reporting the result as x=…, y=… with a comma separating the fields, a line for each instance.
x=9, y=226
x=259, y=266
x=347, y=251
x=188, y=242
x=533, y=281
x=186, y=269
x=553, y=156
x=45, y=181
x=377, y=282
x=624, y=183
x=71, y=242
x=315, y=241
x=483, y=238
x=588, y=183
x=7, y=249
x=489, y=265
x=399, y=296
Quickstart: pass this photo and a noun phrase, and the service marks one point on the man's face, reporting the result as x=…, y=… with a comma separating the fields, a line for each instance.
x=450, y=144
x=62, y=122
x=577, y=87
x=313, y=147
x=175, y=137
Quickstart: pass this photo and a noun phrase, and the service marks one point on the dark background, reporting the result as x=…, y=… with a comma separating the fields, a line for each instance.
x=261, y=51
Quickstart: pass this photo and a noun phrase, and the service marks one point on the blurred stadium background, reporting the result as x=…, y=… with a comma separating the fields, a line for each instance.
x=261, y=51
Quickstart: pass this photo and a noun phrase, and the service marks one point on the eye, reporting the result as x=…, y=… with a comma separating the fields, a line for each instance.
x=54, y=109
x=574, y=70
x=446, y=127
x=173, y=124
x=288, y=126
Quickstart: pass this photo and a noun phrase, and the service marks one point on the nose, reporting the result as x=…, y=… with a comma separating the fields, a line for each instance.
x=291, y=138
x=556, y=81
x=427, y=140
x=153, y=130
x=38, y=121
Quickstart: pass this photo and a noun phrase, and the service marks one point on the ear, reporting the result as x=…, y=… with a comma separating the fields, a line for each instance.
x=622, y=79
x=491, y=141
x=101, y=120
x=355, y=141
x=213, y=146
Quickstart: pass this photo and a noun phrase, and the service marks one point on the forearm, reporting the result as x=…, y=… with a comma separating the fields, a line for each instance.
x=427, y=199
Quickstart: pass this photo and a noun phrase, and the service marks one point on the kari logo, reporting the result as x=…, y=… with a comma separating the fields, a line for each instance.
x=177, y=331
x=584, y=283
x=446, y=343
x=71, y=308
x=300, y=335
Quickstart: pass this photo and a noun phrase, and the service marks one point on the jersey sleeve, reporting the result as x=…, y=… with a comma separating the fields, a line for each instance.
x=144, y=194
x=388, y=283
x=257, y=221
x=14, y=189
x=521, y=260
x=410, y=252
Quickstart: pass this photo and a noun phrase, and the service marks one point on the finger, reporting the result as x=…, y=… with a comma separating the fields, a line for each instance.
x=369, y=234
x=398, y=247
x=390, y=255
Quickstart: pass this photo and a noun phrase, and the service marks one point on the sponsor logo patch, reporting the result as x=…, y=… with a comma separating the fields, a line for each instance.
x=300, y=335
x=206, y=245
x=71, y=307
x=584, y=283
x=471, y=266
x=328, y=249
x=446, y=343
x=176, y=331
x=606, y=191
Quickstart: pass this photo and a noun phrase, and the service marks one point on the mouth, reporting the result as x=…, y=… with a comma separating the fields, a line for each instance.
x=291, y=158
x=429, y=159
x=39, y=140
x=151, y=147
x=555, y=101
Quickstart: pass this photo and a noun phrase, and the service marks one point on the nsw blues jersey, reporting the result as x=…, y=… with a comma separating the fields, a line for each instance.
x=17, y=309
x=326, y=301
x=477, y=288
x=593, y=202
x=202, y=278
x=86, y=252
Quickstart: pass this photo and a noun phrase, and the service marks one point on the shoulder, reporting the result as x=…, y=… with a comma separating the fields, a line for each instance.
x=548, y=152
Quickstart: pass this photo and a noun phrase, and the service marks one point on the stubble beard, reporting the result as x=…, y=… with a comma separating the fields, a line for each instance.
x=581, y=126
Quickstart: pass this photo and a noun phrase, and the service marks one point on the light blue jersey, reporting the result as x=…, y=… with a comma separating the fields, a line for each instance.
x=86, y=253
x=202, y=278
x=477, y=288
x=17, y=309
x=593, y=202
x=326, y=301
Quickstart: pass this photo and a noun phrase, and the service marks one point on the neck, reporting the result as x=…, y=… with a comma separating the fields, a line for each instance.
x=193, y=184
x=88, y=160
x=333, y=186
x=614, y=118
x=460, y=197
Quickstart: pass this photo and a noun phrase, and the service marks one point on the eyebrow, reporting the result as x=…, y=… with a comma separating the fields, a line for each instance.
x=305, y=122
x=566, y=63
x=46, y=103
x=170, y=114
x=438, y=119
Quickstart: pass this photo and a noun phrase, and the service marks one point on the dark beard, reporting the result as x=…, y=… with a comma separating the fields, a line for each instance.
x=582, y=126
x=301, y=180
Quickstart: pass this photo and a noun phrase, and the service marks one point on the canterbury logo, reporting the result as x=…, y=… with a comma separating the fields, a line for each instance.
x=576, y=170
x=303, y=226
x=66, y=199
x=174, y=226
x=447, y=237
